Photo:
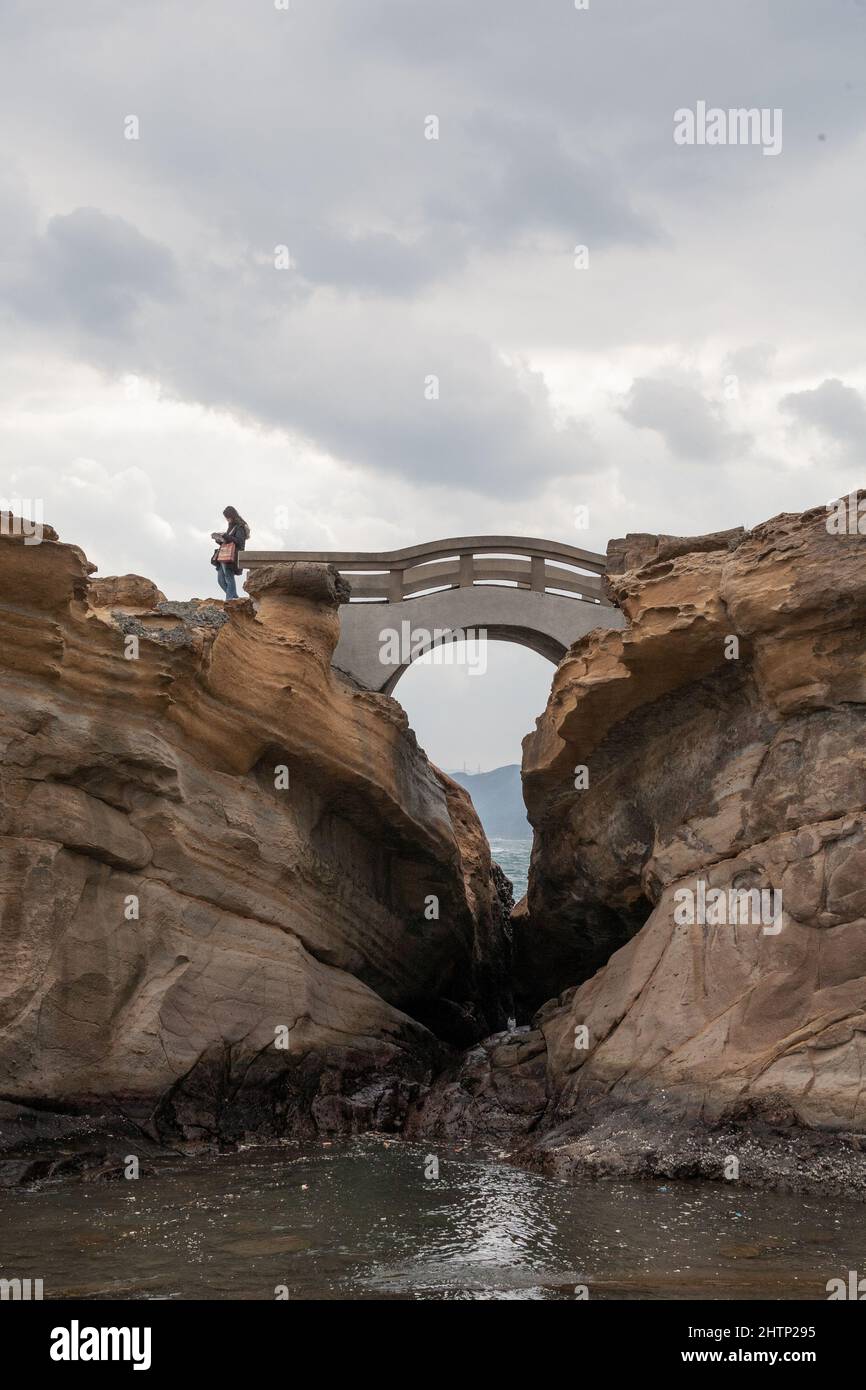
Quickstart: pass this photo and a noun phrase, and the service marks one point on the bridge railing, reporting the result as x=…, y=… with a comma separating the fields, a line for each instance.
x=459, y=562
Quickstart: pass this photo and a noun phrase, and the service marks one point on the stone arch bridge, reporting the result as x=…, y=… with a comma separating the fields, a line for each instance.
x=540, y=594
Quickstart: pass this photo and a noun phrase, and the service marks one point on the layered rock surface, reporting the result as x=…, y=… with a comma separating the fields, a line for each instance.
x=208, y=843
x=739, y=764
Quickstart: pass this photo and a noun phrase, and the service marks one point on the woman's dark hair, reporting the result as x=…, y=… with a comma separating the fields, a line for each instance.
x=232, y=514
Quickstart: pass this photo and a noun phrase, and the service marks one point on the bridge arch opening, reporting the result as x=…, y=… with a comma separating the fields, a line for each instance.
x=472, y=726
x=460, y=653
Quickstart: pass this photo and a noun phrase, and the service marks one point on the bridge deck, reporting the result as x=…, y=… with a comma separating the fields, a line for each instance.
x=458, y=562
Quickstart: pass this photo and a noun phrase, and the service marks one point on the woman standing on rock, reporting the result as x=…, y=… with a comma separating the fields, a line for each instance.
x=227, y=555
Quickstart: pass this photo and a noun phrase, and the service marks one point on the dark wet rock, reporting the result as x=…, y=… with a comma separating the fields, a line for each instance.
x=44, y=1145
x=495, y=1092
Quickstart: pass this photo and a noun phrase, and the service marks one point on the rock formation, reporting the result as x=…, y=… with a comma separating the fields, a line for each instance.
x=209, y=841
x=210, y=847
x=724, y=737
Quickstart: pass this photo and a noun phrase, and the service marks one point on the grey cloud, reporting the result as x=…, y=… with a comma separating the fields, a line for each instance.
x=354, y=384
x=90, y=271
x=690, y=425
x=526, y=179
x=835, y=409
x=490, y=183
x=258, y=341
x=376, y=262
x=322, y=136
x=751, y=363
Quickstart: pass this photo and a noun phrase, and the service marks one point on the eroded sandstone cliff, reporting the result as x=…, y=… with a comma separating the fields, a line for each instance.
x=231, y=887
x=724, y=737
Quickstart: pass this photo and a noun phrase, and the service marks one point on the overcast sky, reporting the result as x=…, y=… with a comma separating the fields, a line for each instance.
x=706, y=369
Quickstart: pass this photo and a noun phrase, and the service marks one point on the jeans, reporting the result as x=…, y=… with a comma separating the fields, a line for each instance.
x=226, y=577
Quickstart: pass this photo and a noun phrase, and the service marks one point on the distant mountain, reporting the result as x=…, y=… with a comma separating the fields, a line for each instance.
x=498, y=799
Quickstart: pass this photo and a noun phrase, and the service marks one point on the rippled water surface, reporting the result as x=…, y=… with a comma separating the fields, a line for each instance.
x=360, y=1220
x=513, y=857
